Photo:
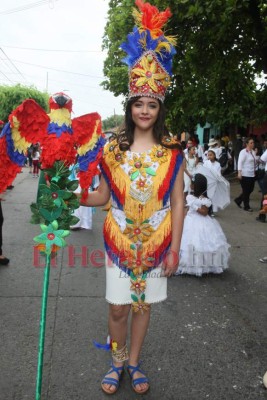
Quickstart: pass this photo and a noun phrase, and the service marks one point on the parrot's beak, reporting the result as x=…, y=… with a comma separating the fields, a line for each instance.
x=61, y=100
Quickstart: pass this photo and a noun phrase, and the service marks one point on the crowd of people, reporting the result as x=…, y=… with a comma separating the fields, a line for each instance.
x=246, y=157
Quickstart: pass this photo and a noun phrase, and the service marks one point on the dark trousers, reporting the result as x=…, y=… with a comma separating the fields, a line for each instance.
x=35, y=166
x=262, y=217
x=1, y=225
x=247, y=184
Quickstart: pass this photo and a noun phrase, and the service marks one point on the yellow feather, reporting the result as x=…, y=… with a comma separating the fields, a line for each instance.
x=91, y=144
x=137, y=17
x=20, y=143
x=163, y=46
x=60, y=117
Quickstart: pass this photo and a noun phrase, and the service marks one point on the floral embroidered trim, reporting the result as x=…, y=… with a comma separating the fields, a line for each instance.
x=138, y=283
x=140, y=167
x=139, y=304
x=159, y=154
x=118, y=155
x=139, y=265
x=138, y=232
x=141, y=184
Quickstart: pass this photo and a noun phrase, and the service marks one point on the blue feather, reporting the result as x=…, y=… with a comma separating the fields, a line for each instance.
x=137, y=43
x=105, y=347
x=91, y=155
x=14, y=155
x=53, y=127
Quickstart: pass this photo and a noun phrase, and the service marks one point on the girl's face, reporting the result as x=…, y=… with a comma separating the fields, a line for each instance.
x=192, y=151
x=211, y=156
x=250, y=144
x=145, y=112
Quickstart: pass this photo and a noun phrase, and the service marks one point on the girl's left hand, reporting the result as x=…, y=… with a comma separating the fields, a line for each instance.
x=170, y=263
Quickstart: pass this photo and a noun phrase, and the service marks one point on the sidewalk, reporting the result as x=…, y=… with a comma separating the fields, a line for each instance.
x=207, y=341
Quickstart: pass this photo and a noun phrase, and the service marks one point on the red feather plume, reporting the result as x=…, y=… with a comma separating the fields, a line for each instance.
x=151, y=18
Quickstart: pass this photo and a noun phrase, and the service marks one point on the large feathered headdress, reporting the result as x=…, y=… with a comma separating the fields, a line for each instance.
x=149, y=52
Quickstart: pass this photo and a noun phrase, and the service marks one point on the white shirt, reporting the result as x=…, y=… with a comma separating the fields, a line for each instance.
x=247, y=163
x=36, y=156
x=200, y=151
x=213, y=165
x=264, y=159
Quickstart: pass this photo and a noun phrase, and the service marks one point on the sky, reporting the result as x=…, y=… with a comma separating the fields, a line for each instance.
x=55, y=45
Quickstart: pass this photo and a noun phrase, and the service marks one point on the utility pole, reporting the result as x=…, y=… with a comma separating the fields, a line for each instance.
x=115, y=119
x=47, y=82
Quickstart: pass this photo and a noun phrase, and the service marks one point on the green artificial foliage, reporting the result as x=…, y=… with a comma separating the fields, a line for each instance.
x=56, y=202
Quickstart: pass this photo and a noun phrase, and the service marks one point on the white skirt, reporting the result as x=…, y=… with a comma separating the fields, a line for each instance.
x=204, y=248
x=118, y=285
x=85, y=216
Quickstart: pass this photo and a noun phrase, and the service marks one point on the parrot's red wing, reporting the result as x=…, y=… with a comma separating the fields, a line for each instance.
x=31, y=120
x=8, y=170
x=84, y=127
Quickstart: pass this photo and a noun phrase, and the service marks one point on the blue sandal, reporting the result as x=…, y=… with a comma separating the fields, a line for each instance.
x=112, y=381
x=137, y=381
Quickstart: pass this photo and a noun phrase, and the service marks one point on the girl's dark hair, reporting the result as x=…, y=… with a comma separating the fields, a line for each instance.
x=34, y=150
x=212, y=151
x=125, y=137
x=248, y=139
x=200, y=185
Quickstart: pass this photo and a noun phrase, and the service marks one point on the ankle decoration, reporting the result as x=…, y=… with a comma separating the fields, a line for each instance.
x=117, y=355
x=121, y=354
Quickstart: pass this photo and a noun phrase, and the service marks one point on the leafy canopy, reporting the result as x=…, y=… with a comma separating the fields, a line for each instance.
x=12, y=96
x=221, y=50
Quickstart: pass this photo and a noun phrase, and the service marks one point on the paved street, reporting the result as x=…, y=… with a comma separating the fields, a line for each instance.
x=207, y=341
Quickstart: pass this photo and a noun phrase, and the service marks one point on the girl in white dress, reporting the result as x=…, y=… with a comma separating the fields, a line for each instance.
x=190, y=163
x=204, y=248
x=212, y=163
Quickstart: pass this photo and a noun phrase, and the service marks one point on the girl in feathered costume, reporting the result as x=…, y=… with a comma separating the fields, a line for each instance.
x=142, y=171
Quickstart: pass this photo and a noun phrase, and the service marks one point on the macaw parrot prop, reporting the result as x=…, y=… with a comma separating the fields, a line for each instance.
x=63, y=141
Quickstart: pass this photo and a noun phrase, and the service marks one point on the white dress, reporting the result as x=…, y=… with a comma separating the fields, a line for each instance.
x=191, y=168
x=85, y=214
x=204, y=247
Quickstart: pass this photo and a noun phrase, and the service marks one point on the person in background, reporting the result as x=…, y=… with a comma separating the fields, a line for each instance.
x=263, y=159
x=35, y=161
x=205, y=152
x=212, y=163
x=29, y=155
x=204, y=248
x=199, y=149
x=224, y=157
x=246, y=174
x=213, y=145
x=237, y=147
x=3, y=260
x=85, y=214
x=190, y=164
x=189, y=144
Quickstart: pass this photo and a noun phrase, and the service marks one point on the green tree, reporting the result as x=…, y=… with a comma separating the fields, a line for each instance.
x=221, y=49
x=113, y=122
x=12, y=96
